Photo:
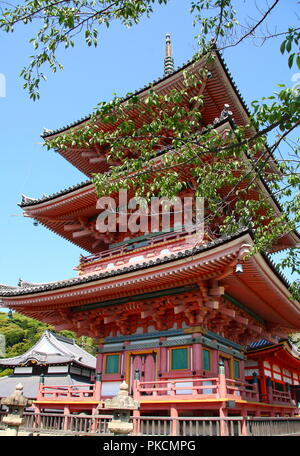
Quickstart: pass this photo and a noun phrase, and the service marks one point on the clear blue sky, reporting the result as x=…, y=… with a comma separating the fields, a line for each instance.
x=125, y=60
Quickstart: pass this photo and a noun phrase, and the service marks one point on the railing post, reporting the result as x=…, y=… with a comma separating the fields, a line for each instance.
x=174, y=415
x=244, y=423
x=222, y=380
x=66, y=418
x=37, y=417
x=41, y=387
x=136, y=422
x=136, y=381
x=98, y=383
x=223, y=423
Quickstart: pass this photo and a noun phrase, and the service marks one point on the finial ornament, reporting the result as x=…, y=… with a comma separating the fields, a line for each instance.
x=169, y=61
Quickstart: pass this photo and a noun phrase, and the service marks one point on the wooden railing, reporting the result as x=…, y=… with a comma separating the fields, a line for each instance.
x=244, y=390
x=280, y=397
x=200, y=388
x=189, y=426
x=58, y=424
x=66, y=392
x=269, y=426
x=135, y=244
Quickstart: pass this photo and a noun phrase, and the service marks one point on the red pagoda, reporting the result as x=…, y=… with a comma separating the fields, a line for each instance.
x=172, y=313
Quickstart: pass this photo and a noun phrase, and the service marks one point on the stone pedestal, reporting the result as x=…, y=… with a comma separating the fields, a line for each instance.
x=121, y=405
x=16, y=404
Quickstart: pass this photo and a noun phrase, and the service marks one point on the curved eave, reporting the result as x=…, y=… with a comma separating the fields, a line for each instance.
x=62, y=208
x=259, y=288
x=219, y=90
x=282, y=352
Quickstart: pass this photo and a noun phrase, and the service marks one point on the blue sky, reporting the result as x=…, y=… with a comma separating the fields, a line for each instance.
x=125, y=60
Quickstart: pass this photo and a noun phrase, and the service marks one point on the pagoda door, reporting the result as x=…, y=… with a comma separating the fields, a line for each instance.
x=146, y=364
x=226, y=362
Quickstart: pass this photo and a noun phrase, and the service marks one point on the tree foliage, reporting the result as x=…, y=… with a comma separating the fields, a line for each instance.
x=214, y=164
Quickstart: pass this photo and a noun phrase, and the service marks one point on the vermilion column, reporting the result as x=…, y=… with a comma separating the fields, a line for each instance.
x=99, y=362
x=197, y=355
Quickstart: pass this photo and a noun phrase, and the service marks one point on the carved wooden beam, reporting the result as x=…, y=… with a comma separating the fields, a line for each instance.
x=228, y=312
x=212, y=304
x=72, y=227
x=78, y=234
x=242, y=320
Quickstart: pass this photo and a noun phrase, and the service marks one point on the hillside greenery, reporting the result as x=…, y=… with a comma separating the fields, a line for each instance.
x=21, y=333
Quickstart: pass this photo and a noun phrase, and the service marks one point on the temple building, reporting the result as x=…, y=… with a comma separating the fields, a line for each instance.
x=172, y=313
x=53, y=360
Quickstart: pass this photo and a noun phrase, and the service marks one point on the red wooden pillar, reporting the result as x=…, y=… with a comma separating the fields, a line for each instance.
x=98, y=384
x=197, y=355
x=244, y=422
x=222, y=380
x=136, y=422
x=163, y=358
x=223, y=424
x=66, y=417
x=41, y=388
x=174, y=414
x=262, y=379
x=99, y=362
x=37, y=420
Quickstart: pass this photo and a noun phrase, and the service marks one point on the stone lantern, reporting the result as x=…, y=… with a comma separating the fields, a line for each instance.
x=121, y=405
x=16, y=404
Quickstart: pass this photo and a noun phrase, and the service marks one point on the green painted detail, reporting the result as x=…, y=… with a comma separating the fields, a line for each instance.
x=236, y=368
x=243, y=307
x=206, y=359
x=179, y=358
x=112, y=364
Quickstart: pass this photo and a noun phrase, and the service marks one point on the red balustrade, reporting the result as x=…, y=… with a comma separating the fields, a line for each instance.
x=68, y=392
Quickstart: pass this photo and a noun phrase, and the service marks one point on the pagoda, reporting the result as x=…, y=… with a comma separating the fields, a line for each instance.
x=172, y=313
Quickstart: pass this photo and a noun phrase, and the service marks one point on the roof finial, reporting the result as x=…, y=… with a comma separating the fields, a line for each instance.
x=169, y=61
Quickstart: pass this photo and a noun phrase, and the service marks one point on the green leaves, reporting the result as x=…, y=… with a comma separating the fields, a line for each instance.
x=60, y=21
x=291, y=40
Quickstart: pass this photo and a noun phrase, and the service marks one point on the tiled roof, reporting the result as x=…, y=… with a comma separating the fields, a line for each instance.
x=53, y=349
x=14, y=291
x=26, y=201
x=32, y=288
x=30, y=383
x=48, y=133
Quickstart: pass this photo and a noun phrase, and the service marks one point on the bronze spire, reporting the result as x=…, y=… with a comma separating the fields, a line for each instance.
x=169, y=61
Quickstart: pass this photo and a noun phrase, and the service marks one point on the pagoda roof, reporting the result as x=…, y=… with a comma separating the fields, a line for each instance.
x=49, y=133
x=219, y=90
x=6, y=290
x=52, y=349
x=260, y=288
x=64, y=207
x=284, y=351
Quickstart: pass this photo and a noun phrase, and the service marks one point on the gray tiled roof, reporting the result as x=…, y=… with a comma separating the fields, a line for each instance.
x=31, y=383
x=53, y=349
